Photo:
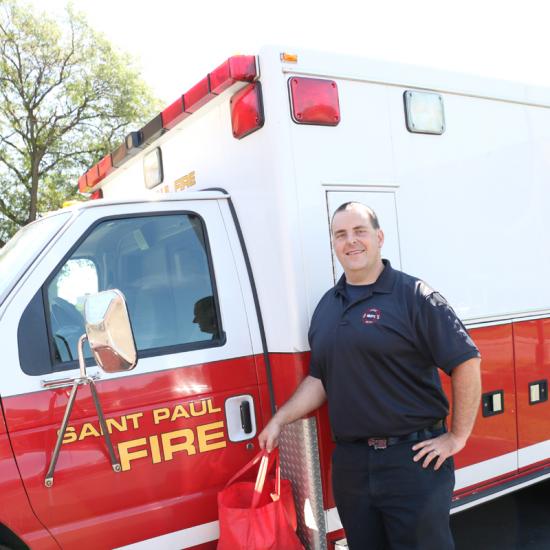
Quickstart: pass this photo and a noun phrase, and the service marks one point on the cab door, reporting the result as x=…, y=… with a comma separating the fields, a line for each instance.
x=181, y=422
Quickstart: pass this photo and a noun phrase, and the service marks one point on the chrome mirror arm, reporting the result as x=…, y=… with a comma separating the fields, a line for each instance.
x=49, y=475
x=83, y=379
x=81, y=361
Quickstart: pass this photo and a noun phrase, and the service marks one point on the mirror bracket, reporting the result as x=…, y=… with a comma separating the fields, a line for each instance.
x=83, y=379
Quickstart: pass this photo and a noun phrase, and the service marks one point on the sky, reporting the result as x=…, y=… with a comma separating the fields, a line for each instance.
x=176, y=43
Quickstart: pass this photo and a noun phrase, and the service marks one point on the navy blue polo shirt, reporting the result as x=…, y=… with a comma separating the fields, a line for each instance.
x=378, y=355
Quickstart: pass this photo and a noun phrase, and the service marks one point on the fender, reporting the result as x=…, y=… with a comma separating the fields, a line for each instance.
x=16, y=513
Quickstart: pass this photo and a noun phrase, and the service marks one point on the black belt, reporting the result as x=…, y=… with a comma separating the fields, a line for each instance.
x=385, y=442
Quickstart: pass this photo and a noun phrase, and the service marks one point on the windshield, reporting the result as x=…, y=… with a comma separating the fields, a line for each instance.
x=24, y=246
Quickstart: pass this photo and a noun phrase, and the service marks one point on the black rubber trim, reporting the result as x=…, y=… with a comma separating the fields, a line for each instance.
x=10, y=539
x=483, y=493
x=254, y=294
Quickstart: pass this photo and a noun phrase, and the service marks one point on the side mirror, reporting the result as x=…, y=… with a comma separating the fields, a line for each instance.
x=109, y=331
x=109, y=334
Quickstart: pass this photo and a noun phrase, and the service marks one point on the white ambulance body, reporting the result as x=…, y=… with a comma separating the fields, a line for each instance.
x=222, y=271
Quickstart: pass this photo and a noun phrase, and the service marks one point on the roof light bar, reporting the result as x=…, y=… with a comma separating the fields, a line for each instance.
x=239, y=68
x=152, y=130
x=82, y=184
x=105, y=166
x=174, y=114
x=197, y=96
x=92, y=176
x=127, y=149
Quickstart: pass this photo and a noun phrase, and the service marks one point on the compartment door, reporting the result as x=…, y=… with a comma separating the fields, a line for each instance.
x=532, y=362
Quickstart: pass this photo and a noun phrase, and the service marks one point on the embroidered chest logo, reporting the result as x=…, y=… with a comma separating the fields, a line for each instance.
x=372, y=315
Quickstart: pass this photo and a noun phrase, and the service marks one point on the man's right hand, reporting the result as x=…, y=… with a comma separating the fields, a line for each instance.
x=309, y=396
x=269, y=437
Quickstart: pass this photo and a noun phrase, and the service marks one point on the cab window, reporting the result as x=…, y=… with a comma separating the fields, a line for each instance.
x=160, y=263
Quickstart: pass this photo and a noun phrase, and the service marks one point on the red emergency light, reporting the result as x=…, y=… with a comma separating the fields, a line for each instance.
x=92, y=176
x=105, y=166
x=314, y=101
x=247, y=111
x=197, y=96
x=239, y=68
x=83, y=184
x=174, y=113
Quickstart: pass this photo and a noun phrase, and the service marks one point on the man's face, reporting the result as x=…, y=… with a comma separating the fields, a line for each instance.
x=356, y=243
x=205, y=316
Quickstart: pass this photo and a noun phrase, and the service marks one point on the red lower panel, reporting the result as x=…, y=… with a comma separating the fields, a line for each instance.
x=288, y=369
x=15, y=512
x=532, y=349
x=493, y=435
x=169, y=430
x=31, y=411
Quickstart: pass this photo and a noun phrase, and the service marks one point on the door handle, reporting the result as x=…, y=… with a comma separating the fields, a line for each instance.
x=240, y=417
x=246, y=419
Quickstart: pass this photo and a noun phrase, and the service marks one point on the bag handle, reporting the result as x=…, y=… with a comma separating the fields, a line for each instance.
x=265, y=465
x=266, y=459
x=245, y=468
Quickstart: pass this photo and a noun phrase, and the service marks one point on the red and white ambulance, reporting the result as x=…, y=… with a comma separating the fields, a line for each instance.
x=221, y=272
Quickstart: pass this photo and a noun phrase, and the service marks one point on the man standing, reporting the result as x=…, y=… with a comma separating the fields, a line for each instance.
x=377, y=339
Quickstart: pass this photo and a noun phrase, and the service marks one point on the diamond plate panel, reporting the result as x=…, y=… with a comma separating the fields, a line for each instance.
x=300, y=464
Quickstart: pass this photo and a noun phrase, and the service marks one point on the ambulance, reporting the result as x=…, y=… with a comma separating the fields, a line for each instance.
x=212, y=221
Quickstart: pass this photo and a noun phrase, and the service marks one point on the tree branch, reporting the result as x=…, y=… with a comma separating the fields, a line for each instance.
x=9, y=214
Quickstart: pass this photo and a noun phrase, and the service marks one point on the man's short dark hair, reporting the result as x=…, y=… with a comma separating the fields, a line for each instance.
x=371, y=213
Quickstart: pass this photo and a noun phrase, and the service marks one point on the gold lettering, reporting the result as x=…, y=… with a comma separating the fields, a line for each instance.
x=211, y=408
x=185, y=181
x=88, y=430
x=204, y=437
x=126, y=456
x=160, y=414
x=201, y=412
x=113, y=424
x=155, y=449
x=186, y=445
x=179, y=412
x=70, y=435
x=134, y=417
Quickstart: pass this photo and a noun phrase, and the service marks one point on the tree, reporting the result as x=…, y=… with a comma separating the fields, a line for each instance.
x=66, y=99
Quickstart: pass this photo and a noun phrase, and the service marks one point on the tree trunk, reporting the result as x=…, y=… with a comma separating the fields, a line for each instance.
x=34, y=188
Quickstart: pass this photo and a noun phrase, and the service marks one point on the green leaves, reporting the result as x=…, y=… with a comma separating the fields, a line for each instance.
x=67, y=98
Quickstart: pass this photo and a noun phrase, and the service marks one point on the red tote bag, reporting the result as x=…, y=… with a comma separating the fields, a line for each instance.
x=260, y=515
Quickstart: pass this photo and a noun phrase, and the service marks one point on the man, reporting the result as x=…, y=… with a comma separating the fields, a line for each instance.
x=205, y=316
x=377, y=339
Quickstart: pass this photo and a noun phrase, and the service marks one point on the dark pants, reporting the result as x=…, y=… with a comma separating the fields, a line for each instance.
x=385, y=500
